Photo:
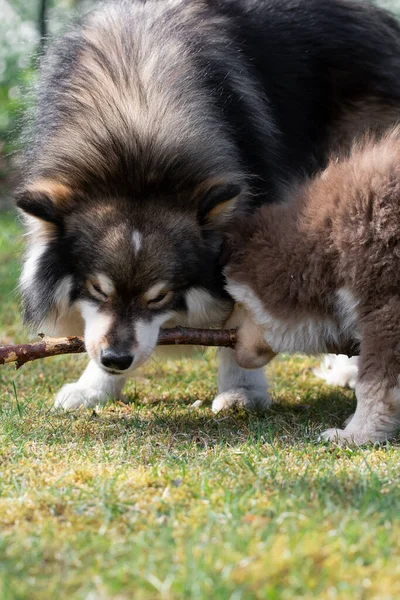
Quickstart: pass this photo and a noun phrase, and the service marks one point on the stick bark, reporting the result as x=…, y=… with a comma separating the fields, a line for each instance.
x=23, y=353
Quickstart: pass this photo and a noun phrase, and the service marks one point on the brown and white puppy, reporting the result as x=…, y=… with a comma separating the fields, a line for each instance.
x=321, y=273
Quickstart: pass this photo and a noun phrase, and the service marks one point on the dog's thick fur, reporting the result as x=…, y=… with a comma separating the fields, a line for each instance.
x=322, y=273
x=155, y=122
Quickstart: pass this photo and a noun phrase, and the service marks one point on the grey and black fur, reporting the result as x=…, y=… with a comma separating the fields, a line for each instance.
x=165, y=118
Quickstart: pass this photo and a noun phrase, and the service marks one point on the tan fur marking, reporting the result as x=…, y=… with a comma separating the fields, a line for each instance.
x=252, y=352
x=224, y=209
x=58, y=192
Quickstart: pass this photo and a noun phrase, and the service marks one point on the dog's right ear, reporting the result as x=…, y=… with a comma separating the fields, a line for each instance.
x=44, y=199
x=218, y=201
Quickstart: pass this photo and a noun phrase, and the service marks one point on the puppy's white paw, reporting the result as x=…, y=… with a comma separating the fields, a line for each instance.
x=344, y=436
x=338, y=370
x=249, y=399
x=349, y=420
x=73, y=395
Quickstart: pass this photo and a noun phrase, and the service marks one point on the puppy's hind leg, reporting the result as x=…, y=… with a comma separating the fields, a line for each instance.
x=94, y=387
x=377, y=415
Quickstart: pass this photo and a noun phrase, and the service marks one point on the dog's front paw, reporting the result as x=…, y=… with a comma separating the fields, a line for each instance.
x=248, y=399
x=73, y=395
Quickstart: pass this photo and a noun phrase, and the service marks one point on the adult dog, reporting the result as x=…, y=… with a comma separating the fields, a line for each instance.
x=155, y=122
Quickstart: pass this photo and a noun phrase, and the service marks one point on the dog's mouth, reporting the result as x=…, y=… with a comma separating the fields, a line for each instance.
x=112, y=371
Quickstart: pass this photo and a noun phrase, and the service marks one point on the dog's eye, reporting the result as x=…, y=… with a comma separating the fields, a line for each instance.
x=99, y=290
x=96, y=291
x=100, y=287
x=161, y=299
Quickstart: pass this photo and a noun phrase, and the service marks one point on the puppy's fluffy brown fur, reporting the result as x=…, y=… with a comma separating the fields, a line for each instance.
x=321, y=272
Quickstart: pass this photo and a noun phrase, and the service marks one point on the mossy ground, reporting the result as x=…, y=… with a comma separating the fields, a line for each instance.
x=155, y=500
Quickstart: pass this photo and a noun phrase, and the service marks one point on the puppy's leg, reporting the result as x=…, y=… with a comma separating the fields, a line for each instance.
x=238, y=386
x=94, y=387
x=377, y=415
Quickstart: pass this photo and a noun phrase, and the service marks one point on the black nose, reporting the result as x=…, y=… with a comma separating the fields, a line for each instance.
x=112, y=359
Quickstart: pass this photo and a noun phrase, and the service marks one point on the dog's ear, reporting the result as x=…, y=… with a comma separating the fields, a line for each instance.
x=217, y=202
x=44, y=199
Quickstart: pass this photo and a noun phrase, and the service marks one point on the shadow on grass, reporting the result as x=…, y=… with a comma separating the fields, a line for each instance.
x=287, y=424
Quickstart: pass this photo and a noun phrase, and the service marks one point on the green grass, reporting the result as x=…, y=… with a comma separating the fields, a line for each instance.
x=154, y=500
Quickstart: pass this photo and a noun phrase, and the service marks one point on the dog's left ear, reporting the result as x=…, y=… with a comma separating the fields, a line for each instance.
x=44, y=199
x=217, y=203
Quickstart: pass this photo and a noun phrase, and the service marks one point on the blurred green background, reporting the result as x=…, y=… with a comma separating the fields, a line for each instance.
x=22, y=26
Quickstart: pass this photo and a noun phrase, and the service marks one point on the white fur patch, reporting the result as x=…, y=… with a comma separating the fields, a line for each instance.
x=346, y=306
x=309, y=335
x=204, y=310
x=34, y=254
x=147, y=333
x=136, y=240
x=339, y=370
x=97, y=325
x=63, y=319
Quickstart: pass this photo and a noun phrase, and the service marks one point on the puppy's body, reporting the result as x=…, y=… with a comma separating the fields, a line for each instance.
x=155, y=122
x=321, y=273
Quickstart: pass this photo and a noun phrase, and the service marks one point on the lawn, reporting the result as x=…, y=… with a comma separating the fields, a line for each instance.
x=157, y=500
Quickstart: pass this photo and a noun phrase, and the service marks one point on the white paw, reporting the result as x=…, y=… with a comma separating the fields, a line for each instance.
x=349, y=420
x=338, y=370
x=334, y=435
x=74, y=395
x=251, y=400
x=196, y=405
x=344, y=436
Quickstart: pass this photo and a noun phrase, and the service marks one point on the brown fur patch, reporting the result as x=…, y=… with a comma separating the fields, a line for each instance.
x=326, y=264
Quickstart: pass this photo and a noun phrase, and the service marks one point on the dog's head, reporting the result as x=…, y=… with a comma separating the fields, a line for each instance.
x=119, y=268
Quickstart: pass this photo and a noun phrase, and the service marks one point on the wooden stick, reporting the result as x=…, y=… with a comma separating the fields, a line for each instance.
x=23, y=353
